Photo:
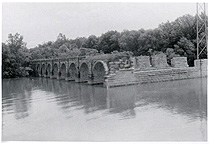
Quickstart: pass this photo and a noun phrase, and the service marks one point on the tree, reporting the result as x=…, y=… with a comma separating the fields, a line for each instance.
x=80, y=41
x=185, y=47
x=61, y=39
x=108, y=42
x=177, y=38
x=15, y=57
x=128, y=41
x=15, y=42
x=91, y=42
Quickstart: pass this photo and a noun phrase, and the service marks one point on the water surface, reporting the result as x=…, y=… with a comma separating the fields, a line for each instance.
x=49, y=109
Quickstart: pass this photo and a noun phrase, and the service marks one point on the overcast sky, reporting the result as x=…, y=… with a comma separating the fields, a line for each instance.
x=42, y=22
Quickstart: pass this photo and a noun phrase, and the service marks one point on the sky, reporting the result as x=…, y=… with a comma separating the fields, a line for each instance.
x=42, y=22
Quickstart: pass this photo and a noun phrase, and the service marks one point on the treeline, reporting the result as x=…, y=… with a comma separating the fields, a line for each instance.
x=177, y=38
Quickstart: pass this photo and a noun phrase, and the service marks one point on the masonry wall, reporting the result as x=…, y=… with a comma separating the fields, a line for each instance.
x=116, y=65
x=201, y=63
x=179, y=62
x=142, y=62
x=159, y=60
x=120, y=78
x=130, y=77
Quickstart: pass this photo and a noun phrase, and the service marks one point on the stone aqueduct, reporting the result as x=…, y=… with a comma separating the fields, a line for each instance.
x=115, y=70
x=78, y=69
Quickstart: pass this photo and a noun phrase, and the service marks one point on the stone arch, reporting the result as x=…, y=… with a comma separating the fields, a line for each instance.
x=55, y=70
x=99, y=71
x=48, y=70
x=84, y=71
x=72, y=71
x=43, y=70
x=63, y=71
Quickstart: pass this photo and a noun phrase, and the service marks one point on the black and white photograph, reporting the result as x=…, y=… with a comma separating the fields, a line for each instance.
x=104, y=71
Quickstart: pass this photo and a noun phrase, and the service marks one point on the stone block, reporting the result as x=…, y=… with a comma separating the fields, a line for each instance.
x=110, y=63
x=179, y=62
x=117, y=62
x=141, y=62
x=201, y=62
x=121, y=65
x=159, y=60
x=127, y=66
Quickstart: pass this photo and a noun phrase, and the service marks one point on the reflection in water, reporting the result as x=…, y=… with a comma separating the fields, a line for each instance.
x=181, y=97
x=186, y=97
x=16, y=97
x=122, y=101
x=179, y=105
x=76, y=95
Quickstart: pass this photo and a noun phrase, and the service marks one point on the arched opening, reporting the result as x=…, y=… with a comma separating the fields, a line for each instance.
x=55, y=71
x=72, y=71
x=98, y=73
x=84, y=71
x=38, y=69
x=68, y=74
x=48, y=69
x=43, y=70
x=63, y=71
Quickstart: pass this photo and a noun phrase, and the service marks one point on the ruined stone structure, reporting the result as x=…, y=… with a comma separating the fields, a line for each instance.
x=113, y=70
x=159, y=60
x=179, y=62
x=141, y=62
x=154, y=74
x=92, y=69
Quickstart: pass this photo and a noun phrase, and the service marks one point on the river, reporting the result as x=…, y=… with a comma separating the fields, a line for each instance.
x=56, y=110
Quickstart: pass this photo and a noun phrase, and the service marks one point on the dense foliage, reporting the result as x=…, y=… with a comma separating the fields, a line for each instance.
x=15, y=57
x=177, y=38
